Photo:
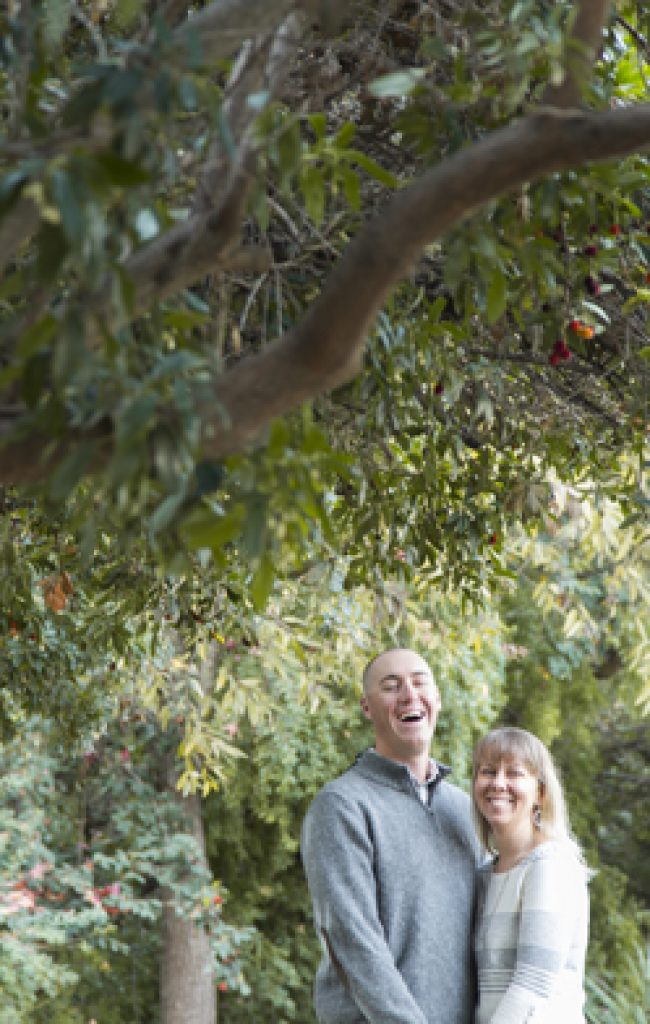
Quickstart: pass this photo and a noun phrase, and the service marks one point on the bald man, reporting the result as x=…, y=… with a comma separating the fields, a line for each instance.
x=390, y=855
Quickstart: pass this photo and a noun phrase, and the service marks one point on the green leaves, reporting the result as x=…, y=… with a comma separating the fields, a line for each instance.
x=497, y=296
x=323, y=168
x=312, y=186
x=397, y=83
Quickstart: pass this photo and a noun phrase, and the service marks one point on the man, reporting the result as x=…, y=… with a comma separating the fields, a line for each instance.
x=390, y=856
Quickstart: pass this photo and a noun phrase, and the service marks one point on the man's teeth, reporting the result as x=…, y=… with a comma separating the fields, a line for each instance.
x=412, y=716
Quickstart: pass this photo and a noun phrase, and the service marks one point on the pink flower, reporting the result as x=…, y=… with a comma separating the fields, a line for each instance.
x=92, y=897
x=39, y=870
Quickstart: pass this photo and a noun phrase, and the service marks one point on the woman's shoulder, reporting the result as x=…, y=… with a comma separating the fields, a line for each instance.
x=560, y=858
x=564, y=850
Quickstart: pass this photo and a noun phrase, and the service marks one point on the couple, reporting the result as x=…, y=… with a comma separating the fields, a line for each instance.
x=410, y=911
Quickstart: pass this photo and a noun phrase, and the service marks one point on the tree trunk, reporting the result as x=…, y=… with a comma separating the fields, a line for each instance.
x=187, y=989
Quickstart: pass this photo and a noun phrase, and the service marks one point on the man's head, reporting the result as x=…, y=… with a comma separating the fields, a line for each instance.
x=402, y=701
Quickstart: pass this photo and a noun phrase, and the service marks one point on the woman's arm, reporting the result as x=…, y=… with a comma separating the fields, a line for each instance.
x=552, y=933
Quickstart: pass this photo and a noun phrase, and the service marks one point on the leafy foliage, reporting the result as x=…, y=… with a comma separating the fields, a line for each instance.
x=88, y=846
x=171, y=210
x=519, y=343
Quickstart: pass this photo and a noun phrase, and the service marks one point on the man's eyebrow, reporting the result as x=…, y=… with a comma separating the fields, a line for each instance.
x=396, y=676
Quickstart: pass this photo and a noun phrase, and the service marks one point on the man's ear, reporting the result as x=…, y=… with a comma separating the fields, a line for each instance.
x=364, y=707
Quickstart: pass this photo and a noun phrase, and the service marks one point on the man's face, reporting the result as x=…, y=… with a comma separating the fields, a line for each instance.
x=402, y=702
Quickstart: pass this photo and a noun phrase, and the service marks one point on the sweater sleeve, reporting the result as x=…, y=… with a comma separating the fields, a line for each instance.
x=553, y=903
x=338, y=858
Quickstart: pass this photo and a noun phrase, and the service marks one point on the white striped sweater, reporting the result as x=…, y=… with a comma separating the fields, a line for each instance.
x=531, y=939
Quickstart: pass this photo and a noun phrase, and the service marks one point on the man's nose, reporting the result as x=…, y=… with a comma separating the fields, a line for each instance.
x=409, y=690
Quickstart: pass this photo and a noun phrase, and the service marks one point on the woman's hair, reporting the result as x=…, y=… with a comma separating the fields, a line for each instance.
x=506, y=744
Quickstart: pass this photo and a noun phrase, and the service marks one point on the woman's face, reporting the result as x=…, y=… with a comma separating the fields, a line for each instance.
x=505, y=791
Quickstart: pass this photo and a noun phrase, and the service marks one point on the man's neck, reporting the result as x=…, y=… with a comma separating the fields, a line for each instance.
x=422, y=769
x=419, y=765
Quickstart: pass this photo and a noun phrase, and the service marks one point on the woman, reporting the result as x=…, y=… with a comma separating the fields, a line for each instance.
x=531, y=935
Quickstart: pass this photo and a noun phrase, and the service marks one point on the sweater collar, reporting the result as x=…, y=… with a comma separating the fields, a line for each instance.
x=394, y=773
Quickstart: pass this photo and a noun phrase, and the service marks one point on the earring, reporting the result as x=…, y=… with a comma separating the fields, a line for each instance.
x=537, y=816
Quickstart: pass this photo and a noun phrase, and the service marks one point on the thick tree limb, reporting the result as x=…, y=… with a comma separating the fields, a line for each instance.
x=261, y=68
x=222, y=27
x=205, y=243
x=580, y=52
x=325, y=348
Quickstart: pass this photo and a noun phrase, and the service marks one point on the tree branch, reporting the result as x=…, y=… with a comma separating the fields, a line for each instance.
x=580, y=52
x=208, y=241
x=325, y=348
x=636, y=35
x=222, y=27
x=17, y=227
x=261, y=68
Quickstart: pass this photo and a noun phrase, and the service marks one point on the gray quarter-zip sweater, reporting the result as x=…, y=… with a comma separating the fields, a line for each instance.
x=392, y=881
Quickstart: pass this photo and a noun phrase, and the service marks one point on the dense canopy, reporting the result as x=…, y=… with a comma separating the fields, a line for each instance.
x=207, y=211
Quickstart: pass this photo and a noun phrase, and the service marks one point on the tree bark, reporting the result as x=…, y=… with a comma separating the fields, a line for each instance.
x=187, y=989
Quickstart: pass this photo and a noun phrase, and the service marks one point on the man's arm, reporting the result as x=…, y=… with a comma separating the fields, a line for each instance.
x=338, y=859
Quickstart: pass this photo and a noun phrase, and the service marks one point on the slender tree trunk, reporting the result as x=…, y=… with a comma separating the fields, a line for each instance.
x=187, y=989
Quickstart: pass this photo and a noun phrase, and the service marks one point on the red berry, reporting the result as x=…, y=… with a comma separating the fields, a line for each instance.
x=592, y=286
x=560, y=351
x=439, y=388
x=593, y=228
x=492, y=539
x=574, y=325
x=591, y=250
x=615, y=229
x=223, y=986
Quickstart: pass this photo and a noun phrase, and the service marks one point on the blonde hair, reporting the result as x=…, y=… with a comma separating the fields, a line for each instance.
x=506, y=744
